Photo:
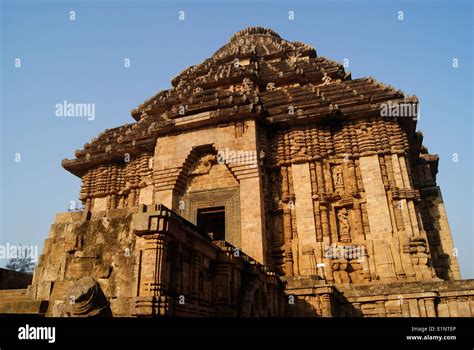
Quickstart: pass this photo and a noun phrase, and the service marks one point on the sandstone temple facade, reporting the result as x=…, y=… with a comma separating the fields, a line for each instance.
x=265, y=182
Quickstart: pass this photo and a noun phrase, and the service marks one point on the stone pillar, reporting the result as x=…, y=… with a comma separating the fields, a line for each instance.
x=325, y=220
x=405, y=308
x=326, y=309
x=223, y=299
x=288, y=259
x=378, y=215
x=359, y=226
x=166, y=166
x=413, y=305
x=381, y=311
x=351, y=180
x=440, y=218
x=317, y=218
x=304, y=204
x=113, y=201
x=153, y=275
x=430, y=307
x=251, y=219
x=304, y=212
x=320, y=178
x=421, y=307
x=442, y=308
x=357, y=310
x=377, y=206
x=402, y=204
x=132, y=198
x=287, y=232
x=453, y=307
x=154, y=272
x=194, y=285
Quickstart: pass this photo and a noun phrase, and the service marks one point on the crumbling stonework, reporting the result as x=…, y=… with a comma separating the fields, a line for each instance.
x=324, y=201
x=147, y=261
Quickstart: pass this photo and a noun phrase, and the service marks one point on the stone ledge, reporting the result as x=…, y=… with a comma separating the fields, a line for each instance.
x=24, y=307
x=308, y=284
x=408, y=288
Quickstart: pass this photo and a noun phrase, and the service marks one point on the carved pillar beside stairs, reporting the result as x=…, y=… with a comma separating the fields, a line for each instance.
x=152, y=269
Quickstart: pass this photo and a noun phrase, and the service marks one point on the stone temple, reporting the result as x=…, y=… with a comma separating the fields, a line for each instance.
x=265, y=182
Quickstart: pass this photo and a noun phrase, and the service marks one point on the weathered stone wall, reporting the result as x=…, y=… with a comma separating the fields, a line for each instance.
x=124, y=183
x=147, y=261
x=101, y=247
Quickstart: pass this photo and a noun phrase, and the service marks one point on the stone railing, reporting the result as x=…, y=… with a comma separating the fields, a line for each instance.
x=180, y=272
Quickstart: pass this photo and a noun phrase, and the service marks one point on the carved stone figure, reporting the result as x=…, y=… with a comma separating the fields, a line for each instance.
x=337, y=176
x=344, y=227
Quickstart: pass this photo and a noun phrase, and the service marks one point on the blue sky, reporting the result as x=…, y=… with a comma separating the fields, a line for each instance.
x=83, y=61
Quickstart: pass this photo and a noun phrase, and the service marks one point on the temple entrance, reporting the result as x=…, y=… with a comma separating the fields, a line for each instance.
x=212, y=222
x=216, y=211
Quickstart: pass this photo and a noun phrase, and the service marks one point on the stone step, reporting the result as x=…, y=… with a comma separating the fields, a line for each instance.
x=13, y=301
x=31, y=307
x=10, y=295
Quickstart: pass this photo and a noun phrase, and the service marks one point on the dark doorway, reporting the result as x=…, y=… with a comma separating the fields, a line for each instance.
x=212, y=222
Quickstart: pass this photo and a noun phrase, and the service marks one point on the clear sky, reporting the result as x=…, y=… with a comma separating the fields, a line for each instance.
x=83, y=61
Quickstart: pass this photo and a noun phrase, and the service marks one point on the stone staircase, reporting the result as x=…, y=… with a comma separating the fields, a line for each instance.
x=14, y=301
x=11, y=295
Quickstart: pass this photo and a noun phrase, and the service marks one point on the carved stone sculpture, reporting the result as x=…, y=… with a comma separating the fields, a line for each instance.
x=87, y=299
x=344, y=227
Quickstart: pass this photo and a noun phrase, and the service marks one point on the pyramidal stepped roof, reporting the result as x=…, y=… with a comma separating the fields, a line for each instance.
x=256, y=74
